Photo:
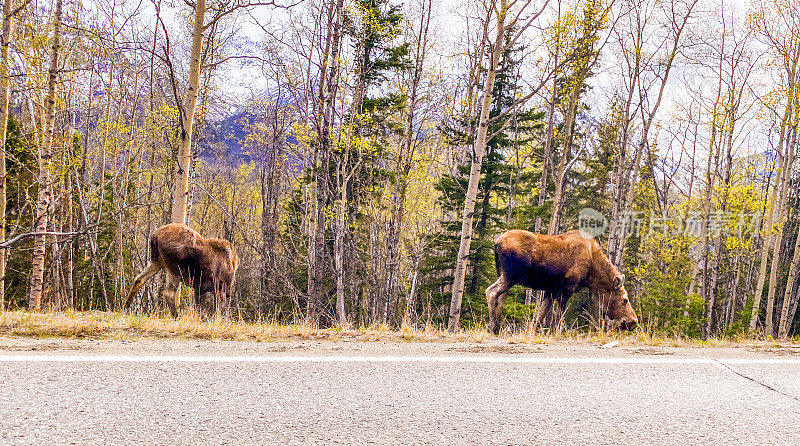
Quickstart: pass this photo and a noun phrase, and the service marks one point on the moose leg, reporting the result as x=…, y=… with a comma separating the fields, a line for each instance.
x=199, y=298
x=222, y=298
x=208, y=303
x=206, y=297
x=561, y=305
x=217, y=296
x=547, y=305
x=170, y=294
x=496, y=298
x=140, y=280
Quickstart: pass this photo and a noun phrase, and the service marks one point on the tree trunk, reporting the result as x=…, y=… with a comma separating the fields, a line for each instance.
x=393, y=238
x=731, y=294
x=327, y=100
x=787, y=316
x=548, y=142
x=4, y=96
x=728, y=132
x=709, y=293
x=560, y=173
x=796, y=257
x=45, y=157
x=271, y=189
x=181, y=195
x=769, y=329
x=625, y=174
x=475, y=174
x=405, y=157
x=411, y=301
x=778, y=194
x=769, y=239
x=338, y=241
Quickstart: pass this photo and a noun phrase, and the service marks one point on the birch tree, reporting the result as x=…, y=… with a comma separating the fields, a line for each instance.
x=790, y=293
x=780, y=32
x=405, y=154
x=187, y=111
x=5, y=85
x=188, y=106
x=45, y=193
x=501, y=17
x=637, y=63
x=328, y=89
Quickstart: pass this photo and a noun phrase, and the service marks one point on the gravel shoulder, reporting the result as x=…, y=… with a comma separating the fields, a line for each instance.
x=493, y=347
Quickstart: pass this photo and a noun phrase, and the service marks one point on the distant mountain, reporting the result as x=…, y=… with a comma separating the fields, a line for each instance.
x=223, y=140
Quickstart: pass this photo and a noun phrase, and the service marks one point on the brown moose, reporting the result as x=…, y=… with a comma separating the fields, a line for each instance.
x=559, y=265
x=208, y=265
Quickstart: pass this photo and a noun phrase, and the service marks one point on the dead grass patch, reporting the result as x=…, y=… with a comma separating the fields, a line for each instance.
x=122, y=326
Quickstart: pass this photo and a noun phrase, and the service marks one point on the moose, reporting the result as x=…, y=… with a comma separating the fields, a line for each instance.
x=208, y=265
x=559, y=265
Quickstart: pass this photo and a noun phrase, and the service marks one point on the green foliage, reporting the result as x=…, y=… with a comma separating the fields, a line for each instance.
x=21, y=194
x=491, y=213
x=661, y=280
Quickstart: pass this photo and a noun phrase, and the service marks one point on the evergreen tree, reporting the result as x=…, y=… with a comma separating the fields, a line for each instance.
x=491, y=213
x=20, y=181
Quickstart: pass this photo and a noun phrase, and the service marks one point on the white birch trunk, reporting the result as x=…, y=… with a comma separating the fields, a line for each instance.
x=787, y=316
x=181, y=197
x=769, y=329
x=44, y=194
x=475, y=174
x=769, y=238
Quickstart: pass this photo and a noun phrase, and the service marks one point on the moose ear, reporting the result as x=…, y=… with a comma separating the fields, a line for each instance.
x=618, y=280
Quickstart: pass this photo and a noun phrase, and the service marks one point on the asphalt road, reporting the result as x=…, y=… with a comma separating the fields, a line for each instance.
x=207, y=393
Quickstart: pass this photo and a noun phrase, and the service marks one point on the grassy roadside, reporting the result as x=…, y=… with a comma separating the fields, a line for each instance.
x=121, y=326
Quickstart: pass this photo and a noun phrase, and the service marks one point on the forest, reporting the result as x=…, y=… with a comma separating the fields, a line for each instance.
x=363, y=155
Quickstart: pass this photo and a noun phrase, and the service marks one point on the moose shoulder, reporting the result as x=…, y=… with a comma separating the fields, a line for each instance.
x=208, y=265
x=559, y=265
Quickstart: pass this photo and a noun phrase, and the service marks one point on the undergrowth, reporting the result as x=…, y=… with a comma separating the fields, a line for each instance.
x=117, y=325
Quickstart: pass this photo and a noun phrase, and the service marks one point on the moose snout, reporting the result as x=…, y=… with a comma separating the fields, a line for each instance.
x=628, y=324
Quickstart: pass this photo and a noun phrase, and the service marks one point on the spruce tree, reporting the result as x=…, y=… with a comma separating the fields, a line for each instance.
x=493, y=191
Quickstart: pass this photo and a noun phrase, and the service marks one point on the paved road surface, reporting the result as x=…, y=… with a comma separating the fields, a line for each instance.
x=72, y=392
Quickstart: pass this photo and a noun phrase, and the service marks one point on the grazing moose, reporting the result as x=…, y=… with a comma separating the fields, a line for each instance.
x=559, y=265
x=208, y=265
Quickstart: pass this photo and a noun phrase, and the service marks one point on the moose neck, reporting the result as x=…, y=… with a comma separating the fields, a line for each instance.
x=602, y=273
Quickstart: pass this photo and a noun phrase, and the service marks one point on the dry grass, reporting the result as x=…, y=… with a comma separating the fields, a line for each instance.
x=642, y=336
x=107, y=325
x=104, y=325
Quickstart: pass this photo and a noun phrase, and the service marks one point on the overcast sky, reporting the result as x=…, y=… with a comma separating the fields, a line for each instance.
x=449, y=26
